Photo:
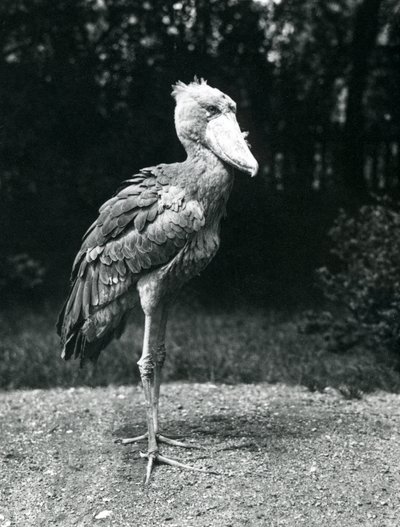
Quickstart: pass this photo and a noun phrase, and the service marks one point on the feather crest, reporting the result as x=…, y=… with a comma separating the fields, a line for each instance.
x=180, y=87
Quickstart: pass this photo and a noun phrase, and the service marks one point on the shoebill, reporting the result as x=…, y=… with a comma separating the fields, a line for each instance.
x=160, y=229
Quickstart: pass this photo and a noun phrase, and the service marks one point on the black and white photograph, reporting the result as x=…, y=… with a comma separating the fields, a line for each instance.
x=200, y=263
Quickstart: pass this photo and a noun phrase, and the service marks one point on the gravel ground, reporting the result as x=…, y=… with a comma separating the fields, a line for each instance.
x=287, y=457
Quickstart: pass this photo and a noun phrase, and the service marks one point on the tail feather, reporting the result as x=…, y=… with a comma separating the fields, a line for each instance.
x=60, y=320
x=84, y=335
x=79, y=346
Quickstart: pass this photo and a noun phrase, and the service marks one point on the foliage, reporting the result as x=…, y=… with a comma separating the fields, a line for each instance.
x=236, y=345
x=21, y=271
x=84, y=103
x=365, y=279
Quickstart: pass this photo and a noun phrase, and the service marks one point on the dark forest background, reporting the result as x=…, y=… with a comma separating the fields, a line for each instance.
x=85, y=103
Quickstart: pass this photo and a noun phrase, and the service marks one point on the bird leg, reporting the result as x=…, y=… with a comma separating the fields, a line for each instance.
x=150, y=365
x=158, y=357
x=146, y=368
x=159, y=354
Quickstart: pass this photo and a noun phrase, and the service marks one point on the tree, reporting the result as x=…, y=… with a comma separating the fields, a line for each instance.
x=366, y=27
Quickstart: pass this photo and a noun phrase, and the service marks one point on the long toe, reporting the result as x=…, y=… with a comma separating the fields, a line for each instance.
x=161, y=438
x=173, y=442
x=156, y=457
x=150, y=465
x=129, y=440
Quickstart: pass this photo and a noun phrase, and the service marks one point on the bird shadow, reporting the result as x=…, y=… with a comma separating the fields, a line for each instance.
x=230, y=431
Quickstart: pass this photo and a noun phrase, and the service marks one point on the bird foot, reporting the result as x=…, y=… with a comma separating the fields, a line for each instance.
x=160, y=439
x=129, y=440
x=156, y=458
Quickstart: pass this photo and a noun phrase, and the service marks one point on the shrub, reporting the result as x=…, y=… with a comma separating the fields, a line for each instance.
x=364, y=279
x=21, y=272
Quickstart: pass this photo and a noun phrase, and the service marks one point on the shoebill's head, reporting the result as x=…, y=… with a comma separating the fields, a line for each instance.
x=206, y=116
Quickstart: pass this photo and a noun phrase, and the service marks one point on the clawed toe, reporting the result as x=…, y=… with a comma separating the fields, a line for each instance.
x=160, y=439
x=130, y=440
x=173, y=442
x=156, y=457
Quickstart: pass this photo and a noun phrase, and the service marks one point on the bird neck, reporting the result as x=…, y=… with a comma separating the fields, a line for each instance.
x=209, y=178
x=201, y=156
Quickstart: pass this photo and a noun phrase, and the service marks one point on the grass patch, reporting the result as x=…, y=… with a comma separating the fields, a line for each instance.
x=240, y=345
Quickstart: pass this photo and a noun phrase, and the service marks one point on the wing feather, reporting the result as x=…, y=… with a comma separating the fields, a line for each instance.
x=133, y=265
x=95, y=287
x=140, y=220
x=143, y=226
x=120, y=266
x=77, y=303
x=104, y=273
x=86, y=295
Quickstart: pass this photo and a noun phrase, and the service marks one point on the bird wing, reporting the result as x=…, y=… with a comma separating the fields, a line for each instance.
x=144, y=226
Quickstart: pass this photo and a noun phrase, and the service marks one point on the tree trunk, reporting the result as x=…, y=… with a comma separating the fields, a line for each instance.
x=366, y=27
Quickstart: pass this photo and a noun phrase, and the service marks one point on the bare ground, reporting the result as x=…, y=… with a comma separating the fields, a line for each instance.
x=288, y=457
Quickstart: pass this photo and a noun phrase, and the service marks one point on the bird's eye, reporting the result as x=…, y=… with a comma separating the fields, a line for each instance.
x=212, y=109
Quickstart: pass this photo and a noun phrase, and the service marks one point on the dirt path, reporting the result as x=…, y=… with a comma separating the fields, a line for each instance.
x=288, y=456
